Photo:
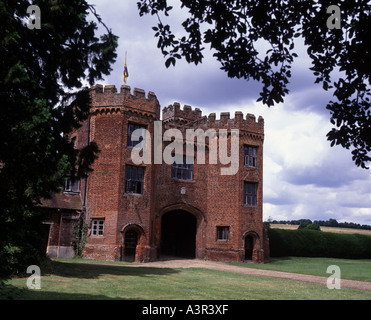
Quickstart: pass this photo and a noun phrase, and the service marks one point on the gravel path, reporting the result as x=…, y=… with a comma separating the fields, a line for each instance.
x=195, y=263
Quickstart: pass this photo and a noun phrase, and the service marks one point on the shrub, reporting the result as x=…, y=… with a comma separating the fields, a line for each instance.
x=314, y=226
x=310, y=243
x=303, y=225
x=80, y=230
x=310, y=226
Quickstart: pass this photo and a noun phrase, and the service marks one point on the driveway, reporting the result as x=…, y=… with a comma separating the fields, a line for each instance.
x=222, y=266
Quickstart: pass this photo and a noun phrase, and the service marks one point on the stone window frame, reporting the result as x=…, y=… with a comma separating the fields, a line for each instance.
x=131, y=128
x=97, y=227
x=250, y=197
x=250, y=156
x=71, y=186
x=132, y=185
x=222, y=233
x=182, y=171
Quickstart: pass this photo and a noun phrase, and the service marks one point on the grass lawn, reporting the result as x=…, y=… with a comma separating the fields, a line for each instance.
x=351, y=269
x=93, y=281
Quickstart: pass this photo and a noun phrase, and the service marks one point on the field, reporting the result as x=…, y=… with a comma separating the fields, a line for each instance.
x=325, y=229
x=74, y=280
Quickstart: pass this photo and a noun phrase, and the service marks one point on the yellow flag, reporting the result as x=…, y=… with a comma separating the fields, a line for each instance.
x=126, y=73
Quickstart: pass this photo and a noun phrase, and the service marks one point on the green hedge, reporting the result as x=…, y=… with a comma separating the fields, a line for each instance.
x=310, y=243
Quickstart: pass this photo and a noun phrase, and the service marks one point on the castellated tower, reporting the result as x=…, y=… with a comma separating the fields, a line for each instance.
x=153, y=210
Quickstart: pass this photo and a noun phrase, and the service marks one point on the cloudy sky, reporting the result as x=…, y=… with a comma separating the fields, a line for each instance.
x=303, y=176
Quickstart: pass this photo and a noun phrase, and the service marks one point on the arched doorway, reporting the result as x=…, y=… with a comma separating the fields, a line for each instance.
x=178, y=234
x=130, y=245
x=249, y=246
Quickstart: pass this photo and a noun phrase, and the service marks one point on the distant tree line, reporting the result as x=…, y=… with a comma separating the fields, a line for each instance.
x=323, y=223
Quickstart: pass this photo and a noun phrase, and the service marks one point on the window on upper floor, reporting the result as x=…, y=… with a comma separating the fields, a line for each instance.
x=71, y=185
x=250, y=193
x=131, y=128
x=134, y=179
x=182, y=171
x=250, y=156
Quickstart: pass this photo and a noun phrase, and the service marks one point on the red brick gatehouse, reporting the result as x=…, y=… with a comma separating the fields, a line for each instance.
x=148, y=211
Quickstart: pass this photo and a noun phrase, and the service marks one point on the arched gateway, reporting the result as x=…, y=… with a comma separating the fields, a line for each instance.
x=180, y=233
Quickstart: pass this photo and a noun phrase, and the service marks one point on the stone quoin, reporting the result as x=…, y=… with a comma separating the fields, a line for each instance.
x=148, y=211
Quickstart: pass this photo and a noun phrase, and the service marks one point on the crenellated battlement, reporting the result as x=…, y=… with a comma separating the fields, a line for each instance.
x=174, y=116
x=108, y=97
x=174, y=112
x=247, y=125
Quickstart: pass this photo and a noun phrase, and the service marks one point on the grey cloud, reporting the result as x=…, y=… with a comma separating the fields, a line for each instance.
x=282, y=199
x=330, y=174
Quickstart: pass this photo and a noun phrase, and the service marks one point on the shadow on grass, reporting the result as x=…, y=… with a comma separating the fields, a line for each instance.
x=91, y=271
x=75, y=271
x=10, y=292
